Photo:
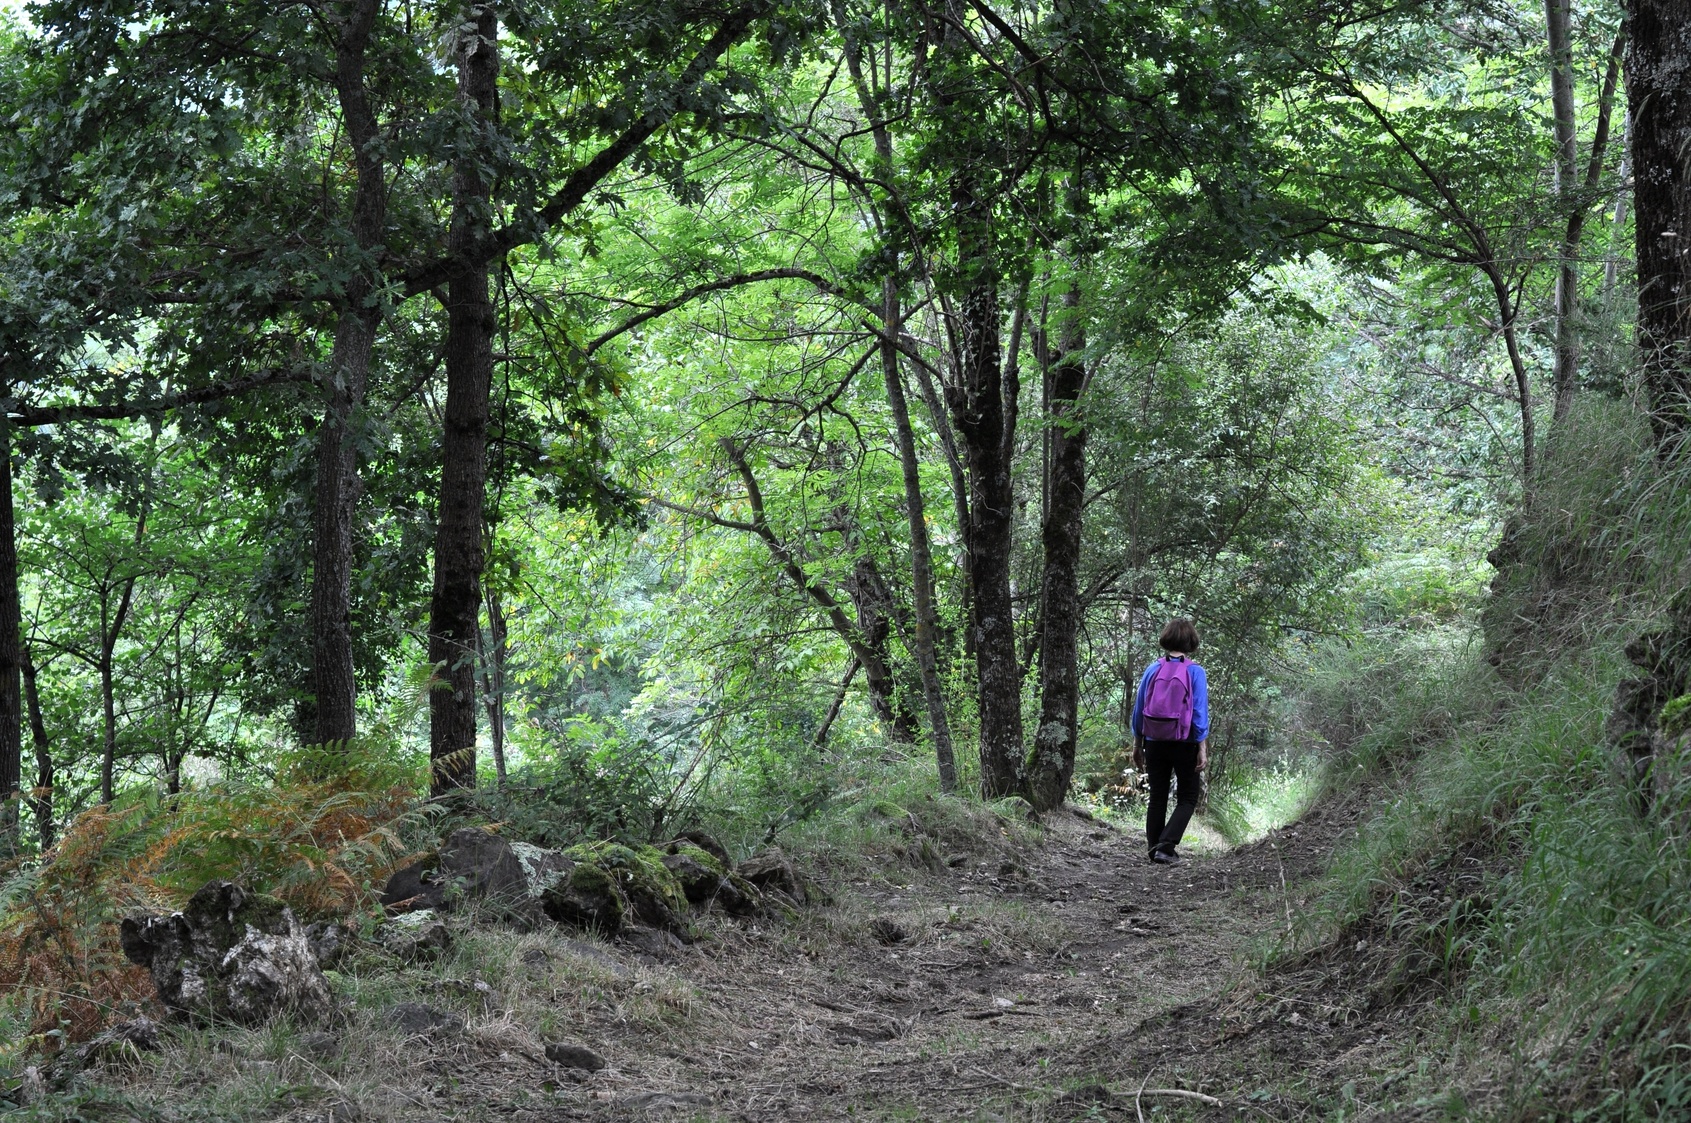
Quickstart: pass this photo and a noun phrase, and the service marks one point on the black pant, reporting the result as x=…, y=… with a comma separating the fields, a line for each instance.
x=1165, y=760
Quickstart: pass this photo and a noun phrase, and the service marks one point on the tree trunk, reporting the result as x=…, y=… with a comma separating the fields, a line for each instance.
x=1565, y=374
x=455, y=611
x=333, y=685
x=111, y=630
x=926, y=630
x=11, y=654
x=41, y=799
x=981, y=406
x=834, y=708
x=497, y=648
x=1051, y=768
x=1657, y=59
x=873, y=602
x=924, y=637
x=941, y=422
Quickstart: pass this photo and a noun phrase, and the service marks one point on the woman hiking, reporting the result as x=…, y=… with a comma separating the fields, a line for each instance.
x=1171, y=726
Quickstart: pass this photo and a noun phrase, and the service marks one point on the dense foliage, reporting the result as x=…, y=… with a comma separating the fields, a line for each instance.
x=685, y=400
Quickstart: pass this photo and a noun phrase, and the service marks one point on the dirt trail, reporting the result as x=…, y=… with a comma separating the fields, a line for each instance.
x=986, y=991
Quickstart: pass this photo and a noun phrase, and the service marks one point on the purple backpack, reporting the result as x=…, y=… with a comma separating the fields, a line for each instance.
x=1168, y=703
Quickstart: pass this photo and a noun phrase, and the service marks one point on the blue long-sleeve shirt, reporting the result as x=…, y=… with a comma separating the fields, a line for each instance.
x=1200, y=699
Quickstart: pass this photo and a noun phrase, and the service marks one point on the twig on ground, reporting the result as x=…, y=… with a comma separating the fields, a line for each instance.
x=1179, y=1093
x=1285, y=894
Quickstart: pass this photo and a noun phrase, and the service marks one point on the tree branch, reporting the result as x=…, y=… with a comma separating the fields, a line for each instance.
x=820, y=282
x=28, y=416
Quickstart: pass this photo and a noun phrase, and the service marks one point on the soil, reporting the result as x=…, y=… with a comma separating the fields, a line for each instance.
x=1063, y=979
x=1079, y=982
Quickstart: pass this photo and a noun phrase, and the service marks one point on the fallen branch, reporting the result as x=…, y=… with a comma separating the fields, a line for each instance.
x=1180, y=1093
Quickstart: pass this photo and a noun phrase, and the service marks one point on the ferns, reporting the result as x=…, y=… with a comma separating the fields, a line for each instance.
x=321, y=837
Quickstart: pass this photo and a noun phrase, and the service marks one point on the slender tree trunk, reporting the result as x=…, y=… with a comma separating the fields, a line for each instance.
x=1617, y=218
x=833, y=713
x=111, y=630
x=493, y=679
x=1658, y=58
x=1508, y=314
x=873, y=602
x=334, y=687
x=926, y=630
x=454, y=617
x=941, y=421
x=1051, y=768
x=924, y=637
x=11, y=654
x=1565, y=376
x=108, y=728
x=41, y=799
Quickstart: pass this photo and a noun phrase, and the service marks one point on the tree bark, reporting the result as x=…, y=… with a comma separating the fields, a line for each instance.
x=11, y=654
x=111, y=628
x=41, y=798
x=1565, y=370
x=455, y=610
x=834, y=707
x=1658, y=58
x=1051, y=767
x=926, y=631
x=924, y=637
x=873, y=602
x=494, y=655
x=981, y=405
x=334, y=686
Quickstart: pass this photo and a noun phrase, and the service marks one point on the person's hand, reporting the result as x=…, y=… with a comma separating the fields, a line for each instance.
x=1139, y=753
x=1203, y=754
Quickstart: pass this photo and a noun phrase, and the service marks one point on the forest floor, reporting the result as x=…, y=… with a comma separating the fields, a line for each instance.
x=1047, y=981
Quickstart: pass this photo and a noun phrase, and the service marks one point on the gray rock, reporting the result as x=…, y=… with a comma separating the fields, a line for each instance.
x=771, y=872
x=230, y=954
x=329, y=942
x=653, y=944
x=572, y=1055
x=708, y=844
x=588, y=898
x=507, y=879
x=416, y=886
x=318, y=1045
x=424, y=1021
x=126, y=1038
x=415, y=936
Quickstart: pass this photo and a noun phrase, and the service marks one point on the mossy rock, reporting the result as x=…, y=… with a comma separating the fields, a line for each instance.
x=707, y=881
x=698, y=871
x=653, y=893
x=590, y=898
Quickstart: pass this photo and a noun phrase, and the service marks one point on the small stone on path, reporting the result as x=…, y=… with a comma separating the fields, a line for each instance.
x=571, y=1055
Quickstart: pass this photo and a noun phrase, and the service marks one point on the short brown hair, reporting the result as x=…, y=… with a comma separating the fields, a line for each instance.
x=1179, y=635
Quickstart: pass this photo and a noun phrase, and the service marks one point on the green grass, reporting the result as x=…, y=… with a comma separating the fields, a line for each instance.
x=1564, y=942
x=1259, y=800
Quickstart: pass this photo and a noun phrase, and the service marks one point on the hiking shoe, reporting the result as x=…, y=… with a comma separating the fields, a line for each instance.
x=1164, y=858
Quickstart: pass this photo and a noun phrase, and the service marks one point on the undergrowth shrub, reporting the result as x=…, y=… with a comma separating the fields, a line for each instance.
x=1558, y=909
x=1377, y=697
x=322, y=834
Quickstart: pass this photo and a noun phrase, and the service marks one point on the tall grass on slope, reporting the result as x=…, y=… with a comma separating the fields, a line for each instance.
x=1580, y=946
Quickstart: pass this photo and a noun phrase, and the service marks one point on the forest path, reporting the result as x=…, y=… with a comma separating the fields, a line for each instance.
x=994, y=992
